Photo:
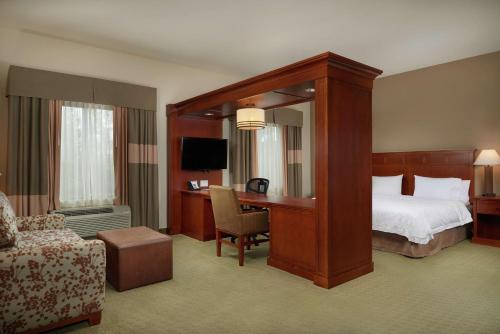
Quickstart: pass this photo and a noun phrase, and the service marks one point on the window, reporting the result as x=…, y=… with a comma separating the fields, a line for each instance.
x=270, y=157
x=87, y=169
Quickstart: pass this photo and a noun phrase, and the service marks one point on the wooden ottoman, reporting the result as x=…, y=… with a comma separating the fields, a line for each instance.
x=136, y=256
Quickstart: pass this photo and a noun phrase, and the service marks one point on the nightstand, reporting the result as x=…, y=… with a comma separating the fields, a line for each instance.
x=487, y=221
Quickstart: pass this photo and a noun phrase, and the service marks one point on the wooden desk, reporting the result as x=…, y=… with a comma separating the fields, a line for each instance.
x=293, y=244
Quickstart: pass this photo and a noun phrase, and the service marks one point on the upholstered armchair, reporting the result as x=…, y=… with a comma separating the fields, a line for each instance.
x=231, y=220
x=49, y=276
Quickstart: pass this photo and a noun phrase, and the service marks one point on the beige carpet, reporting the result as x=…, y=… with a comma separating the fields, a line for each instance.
x=455, y=291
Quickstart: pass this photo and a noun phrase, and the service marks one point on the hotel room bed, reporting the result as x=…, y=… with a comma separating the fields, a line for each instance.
x=417, y=227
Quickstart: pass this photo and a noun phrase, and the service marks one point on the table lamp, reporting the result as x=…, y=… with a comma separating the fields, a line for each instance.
x=488, y=159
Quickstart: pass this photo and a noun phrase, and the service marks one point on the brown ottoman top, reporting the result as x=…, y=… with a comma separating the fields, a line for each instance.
x=134, y=236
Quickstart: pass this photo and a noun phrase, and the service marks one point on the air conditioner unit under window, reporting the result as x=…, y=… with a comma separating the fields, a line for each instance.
x=86, y=222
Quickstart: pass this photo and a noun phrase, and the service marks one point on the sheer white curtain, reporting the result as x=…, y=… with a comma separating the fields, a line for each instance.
x=270, y=157
x=87, y=171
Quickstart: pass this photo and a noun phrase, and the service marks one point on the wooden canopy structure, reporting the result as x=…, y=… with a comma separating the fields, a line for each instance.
x=335, y=246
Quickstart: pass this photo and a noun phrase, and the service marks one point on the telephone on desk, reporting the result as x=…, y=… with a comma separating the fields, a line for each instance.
x=193, y=185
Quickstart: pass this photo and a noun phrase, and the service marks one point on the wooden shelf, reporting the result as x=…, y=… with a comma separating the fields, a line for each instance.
x=487, y=221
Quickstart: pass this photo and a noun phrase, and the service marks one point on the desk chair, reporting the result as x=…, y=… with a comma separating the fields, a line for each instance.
x=231, y=221
x=257, y=185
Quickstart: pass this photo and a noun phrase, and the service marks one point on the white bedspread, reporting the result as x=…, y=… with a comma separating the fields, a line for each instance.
x=417, y=219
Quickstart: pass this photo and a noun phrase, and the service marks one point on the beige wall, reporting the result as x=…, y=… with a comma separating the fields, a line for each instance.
x=449, y=106
x=174, y=82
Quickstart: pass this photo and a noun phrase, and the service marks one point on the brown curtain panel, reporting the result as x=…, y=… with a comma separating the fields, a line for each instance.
x=27, y=152
x=142, y=167
x=285, y=160
x=242, y=156
x=120, y=141
x=54, y=153
x=292, y=141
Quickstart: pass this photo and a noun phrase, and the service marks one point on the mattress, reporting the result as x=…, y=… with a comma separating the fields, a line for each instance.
x=417, y=219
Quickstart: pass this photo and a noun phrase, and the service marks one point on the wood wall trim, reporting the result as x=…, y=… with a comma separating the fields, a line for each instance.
x=305, y=70
x=441, y=163
x=178, y=127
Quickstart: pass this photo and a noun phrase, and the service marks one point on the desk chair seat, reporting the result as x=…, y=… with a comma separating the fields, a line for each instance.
x=230, y=220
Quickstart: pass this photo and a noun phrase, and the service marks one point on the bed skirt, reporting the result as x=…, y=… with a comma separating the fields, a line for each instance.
x=390, y=242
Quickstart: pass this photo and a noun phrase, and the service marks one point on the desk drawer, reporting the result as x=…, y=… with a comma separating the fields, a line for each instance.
x=488, y=207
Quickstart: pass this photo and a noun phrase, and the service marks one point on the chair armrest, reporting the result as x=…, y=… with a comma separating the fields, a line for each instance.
x=41, y=222
x=254, y=222
x=60, y=281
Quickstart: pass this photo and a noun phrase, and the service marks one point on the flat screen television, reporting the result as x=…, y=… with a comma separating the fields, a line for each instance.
x=203, y=153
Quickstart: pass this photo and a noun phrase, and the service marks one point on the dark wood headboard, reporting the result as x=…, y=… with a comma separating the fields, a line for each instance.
x=425, y=163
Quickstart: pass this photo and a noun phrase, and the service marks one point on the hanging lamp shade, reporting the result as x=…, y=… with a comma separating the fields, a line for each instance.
x=250, y=118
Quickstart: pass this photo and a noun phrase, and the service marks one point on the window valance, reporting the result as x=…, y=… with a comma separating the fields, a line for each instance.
x=284, y=116
x=23, y=81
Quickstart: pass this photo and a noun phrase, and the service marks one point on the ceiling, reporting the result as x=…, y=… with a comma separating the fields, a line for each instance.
x=248, y=37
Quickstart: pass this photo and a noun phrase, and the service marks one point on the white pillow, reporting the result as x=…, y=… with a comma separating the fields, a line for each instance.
x=387, y=185
x=449, y=188
x=464, y=192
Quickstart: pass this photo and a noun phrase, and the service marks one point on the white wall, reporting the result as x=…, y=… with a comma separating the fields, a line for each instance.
x=173, y=82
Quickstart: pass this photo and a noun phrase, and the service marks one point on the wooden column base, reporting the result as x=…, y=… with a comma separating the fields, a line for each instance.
x=322, y=281
x=330, y=282
x=290, y=267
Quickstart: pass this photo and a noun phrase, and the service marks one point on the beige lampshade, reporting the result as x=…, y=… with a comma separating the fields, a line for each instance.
x=250, y=118
x=487, y=158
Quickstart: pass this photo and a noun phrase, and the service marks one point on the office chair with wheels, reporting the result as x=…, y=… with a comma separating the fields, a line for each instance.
x=257, y=185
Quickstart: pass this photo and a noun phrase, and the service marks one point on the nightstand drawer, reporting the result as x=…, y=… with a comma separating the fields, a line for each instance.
x=488, y=207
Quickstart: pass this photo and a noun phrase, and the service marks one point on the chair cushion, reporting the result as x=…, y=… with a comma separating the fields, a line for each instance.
x=41, y=238
x=8, y=226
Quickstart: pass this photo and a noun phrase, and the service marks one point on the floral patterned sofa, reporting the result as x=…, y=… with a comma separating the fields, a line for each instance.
x=49, y=276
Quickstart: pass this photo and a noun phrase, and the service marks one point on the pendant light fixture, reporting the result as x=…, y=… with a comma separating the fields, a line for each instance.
x=250, y=118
